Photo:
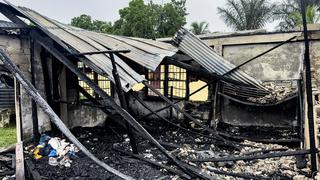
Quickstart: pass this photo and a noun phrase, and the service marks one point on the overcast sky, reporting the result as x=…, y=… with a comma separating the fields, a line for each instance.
x=107, y=10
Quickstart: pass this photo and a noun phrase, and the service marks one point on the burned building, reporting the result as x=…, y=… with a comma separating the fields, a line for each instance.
x=65, y=77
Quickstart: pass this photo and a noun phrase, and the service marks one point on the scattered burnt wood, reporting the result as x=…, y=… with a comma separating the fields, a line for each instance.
x=236, y=137
x=218, y=141
x=108, y=100
x=30, y=89
x=31, y=170
x=265, y=151
x=182, y=111
x=171, y=170
x=253, y=157
x=244, y=176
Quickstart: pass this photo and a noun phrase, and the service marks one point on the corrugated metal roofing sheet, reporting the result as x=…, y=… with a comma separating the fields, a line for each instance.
x=209, y=59
x=147, y=53
x=9, y=25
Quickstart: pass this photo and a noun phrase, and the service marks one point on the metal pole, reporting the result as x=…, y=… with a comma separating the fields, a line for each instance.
x=313, y=150
x=123, y=102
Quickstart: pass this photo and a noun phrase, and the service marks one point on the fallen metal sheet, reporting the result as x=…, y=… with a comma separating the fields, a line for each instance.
x=209, y=59
x=31, y=90
x=147, y=53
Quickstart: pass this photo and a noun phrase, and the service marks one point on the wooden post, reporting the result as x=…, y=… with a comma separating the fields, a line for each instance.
x=123, y=102
x=310, y=113
x=171, y=99
x=95, y=80
x=20, y=172
x=187, y=96
x=35, y=122
x=166, y=80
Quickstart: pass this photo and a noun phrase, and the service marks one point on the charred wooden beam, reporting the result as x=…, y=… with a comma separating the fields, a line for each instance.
x=31, y=90
x=176, y=102
x=312, y=140
x=35, y=123
x=231, y=144
x=106, y=98
x=123, y=102
x=253, y=157
x=259, y=55
x=238, y=175
x=177, y=108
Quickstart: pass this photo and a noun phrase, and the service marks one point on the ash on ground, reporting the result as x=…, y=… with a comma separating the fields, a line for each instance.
x=102, y=142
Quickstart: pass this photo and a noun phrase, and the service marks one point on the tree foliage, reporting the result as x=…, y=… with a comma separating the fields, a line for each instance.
x=141, y=20
x=200, y=27
x=289, y=13
x=85, y=22
x=151, y=20
x=247, y=14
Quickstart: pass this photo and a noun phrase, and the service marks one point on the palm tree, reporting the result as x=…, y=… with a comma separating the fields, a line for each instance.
x=200, y=27
x=289, y=14
x=247, y=14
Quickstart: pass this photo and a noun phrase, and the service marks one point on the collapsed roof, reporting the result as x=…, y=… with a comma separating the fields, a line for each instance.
x=145, y=52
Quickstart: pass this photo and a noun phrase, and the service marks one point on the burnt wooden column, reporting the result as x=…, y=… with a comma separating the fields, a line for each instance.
x=123, y=102
x=35, y=122
x=312, y=141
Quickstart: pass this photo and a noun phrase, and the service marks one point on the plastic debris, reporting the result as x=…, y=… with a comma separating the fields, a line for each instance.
x=59, y=151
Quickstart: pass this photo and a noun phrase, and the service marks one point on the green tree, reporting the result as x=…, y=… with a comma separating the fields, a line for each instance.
x=151, y=20
x=85, y=22
x=289, y=13
x=247, y=14
x=200, y=27
x=136, y=20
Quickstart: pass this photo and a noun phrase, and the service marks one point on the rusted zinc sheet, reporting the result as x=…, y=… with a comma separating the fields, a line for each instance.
x=209, y=59
x=147, y=53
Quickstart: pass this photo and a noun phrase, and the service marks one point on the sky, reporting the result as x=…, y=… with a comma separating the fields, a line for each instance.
x=107, y=10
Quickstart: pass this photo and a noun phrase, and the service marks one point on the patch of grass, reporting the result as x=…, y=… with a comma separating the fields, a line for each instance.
x=7, y=136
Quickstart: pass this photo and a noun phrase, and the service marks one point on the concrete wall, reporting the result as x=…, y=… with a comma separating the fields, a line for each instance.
x=283, y=63
x=18, y=49
x=85, y=116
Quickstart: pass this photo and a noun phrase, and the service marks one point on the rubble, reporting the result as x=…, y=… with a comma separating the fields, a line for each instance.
x=7, y=167
x=277, y=93
x=277, y=167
